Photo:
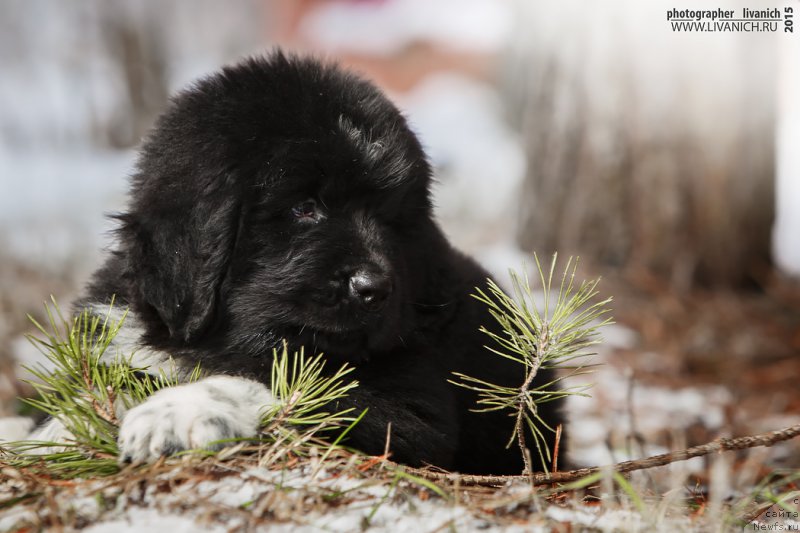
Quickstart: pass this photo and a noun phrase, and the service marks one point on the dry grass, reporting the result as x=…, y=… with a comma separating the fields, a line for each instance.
x=249, y=487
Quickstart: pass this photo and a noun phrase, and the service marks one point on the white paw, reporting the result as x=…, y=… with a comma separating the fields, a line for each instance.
x=193, y=416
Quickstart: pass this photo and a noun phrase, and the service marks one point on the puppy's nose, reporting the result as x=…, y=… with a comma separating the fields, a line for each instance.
x=370, y=288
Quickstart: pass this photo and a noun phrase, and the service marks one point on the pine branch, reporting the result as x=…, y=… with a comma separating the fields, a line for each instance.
x=306, y=393
x=88, y=388
x=549, y=336
x=722, y=444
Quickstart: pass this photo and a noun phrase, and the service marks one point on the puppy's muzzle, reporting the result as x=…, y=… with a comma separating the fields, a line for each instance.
x=370, y=288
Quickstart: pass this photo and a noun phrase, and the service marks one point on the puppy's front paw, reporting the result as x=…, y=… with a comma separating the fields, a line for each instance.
x=160, y=428
x=192, y=416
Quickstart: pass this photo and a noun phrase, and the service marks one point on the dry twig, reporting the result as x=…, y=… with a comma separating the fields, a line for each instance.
x=722, y=444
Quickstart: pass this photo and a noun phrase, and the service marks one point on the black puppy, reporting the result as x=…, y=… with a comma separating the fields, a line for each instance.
x=282, y=199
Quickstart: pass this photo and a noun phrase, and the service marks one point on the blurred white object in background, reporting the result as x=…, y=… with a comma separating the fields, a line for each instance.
x=786, y=234
x=386, y=28
x=478, y=161
x=54, y=205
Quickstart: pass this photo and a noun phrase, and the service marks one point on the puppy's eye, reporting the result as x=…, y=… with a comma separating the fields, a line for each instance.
x=306, y=210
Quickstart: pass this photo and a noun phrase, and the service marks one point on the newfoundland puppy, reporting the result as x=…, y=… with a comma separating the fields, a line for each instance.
x=286, y=200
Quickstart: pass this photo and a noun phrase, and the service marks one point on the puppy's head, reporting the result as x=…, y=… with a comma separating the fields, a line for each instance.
x=280, y=198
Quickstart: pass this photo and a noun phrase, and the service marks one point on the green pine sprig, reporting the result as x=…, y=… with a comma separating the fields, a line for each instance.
x=557, y=334
x=88, y=389
x=305, y=393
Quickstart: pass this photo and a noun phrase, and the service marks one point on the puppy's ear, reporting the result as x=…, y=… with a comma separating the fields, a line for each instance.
x=177, y=248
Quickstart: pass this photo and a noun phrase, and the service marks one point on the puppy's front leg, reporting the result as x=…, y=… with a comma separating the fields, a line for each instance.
x=192, y=416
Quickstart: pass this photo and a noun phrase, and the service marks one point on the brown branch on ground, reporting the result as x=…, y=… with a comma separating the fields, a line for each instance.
x=722, y=444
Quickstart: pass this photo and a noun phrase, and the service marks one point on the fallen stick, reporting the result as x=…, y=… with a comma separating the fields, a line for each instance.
x=722, y=444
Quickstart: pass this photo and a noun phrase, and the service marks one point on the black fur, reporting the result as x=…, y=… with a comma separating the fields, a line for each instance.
x=221, y=266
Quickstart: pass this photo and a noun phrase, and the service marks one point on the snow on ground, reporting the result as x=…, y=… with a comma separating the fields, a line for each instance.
x=187, y=505
x=259, y=499
x=614, y=411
